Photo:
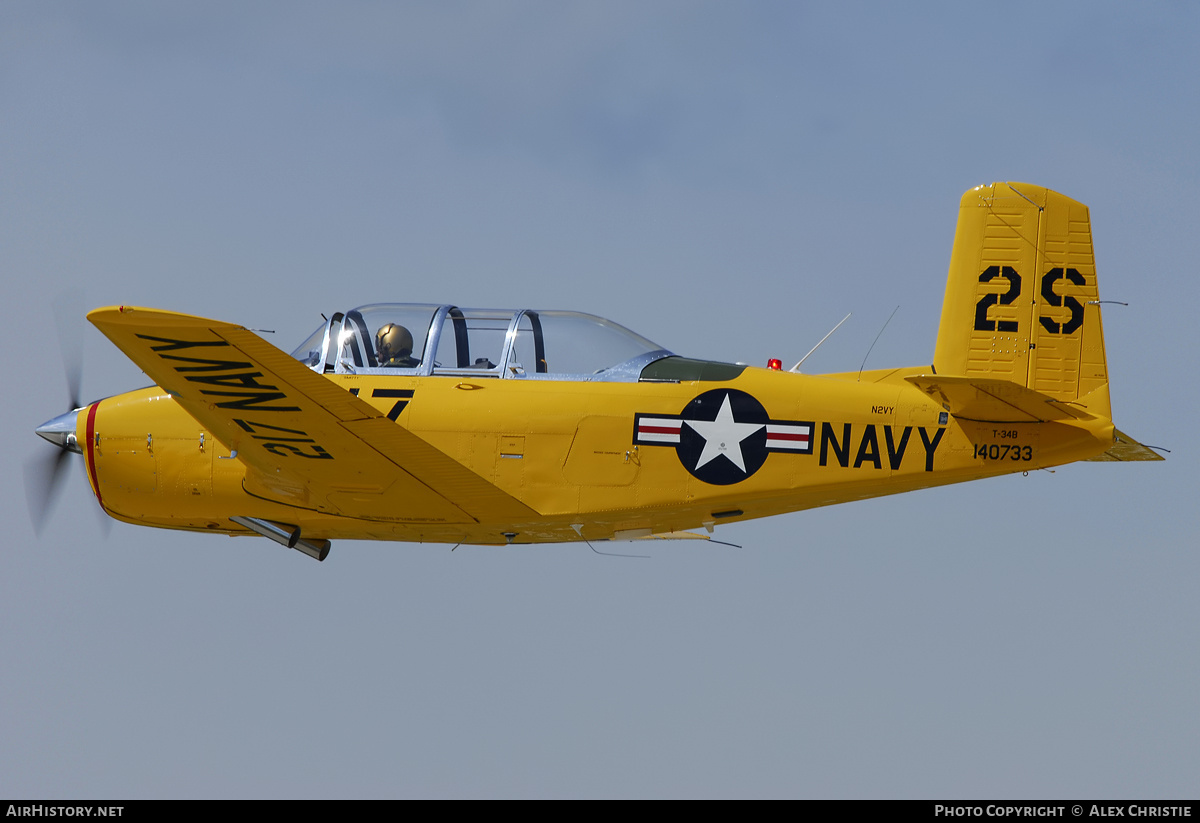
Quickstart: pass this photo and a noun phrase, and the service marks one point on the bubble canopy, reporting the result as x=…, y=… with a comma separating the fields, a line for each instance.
x=502, y=343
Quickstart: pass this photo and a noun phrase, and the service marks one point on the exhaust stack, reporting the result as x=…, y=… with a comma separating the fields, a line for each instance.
x=285, y=535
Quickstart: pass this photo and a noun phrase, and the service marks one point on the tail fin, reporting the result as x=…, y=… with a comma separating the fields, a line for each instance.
x=1021, y=300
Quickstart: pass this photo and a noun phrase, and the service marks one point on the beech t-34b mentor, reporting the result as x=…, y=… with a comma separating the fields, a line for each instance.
x=443, y=424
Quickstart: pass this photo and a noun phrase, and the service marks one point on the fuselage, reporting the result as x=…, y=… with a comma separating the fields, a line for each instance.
x=591, y=460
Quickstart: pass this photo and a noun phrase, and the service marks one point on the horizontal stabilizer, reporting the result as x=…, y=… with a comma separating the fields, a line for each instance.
x=1125, y=450
x=993, y=400
x=678, y=535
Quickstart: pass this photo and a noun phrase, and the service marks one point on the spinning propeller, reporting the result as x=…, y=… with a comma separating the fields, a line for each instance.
x=44, y=475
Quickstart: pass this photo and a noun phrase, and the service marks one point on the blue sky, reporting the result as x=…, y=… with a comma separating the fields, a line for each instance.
x=728, y=179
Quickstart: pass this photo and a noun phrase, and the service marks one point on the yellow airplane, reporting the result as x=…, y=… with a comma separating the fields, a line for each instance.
x=431, y=423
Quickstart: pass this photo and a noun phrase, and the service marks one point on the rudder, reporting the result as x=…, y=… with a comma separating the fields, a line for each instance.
x=1021, y=298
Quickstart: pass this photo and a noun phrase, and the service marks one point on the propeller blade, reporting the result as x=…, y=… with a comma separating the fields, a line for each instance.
x=44, y=476
x=104, y=520
x=43, y=485
x=70, y=343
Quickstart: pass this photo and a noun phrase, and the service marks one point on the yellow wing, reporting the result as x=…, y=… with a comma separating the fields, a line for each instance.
x=305, y=441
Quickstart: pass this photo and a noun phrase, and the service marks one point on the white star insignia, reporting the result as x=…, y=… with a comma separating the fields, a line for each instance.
x=723, y=436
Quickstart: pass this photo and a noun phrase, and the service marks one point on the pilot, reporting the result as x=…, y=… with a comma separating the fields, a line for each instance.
x=394, y=345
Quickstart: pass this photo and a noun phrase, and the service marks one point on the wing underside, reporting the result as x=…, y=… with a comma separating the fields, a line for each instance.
x=305, y=441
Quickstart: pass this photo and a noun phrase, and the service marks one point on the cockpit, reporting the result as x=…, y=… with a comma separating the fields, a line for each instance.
x=426, y=339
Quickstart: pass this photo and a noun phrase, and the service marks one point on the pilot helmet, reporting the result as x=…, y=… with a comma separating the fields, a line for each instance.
x=393, y=342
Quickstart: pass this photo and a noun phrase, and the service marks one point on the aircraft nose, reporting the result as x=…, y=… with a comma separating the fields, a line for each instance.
x=61, y=431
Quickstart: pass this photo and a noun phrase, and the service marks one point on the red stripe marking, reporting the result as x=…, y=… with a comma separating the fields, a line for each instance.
x=644, y=429
x=91, y=451
x=782, y=436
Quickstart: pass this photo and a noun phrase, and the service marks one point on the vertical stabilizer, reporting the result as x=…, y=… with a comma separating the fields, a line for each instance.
x=1021, y=298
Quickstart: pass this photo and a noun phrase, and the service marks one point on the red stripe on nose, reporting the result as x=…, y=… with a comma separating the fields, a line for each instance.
x=90, y=451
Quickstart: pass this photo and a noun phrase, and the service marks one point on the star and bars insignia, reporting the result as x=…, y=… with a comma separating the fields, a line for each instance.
x=723, y=436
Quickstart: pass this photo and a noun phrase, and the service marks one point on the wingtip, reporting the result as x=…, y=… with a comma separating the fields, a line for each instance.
x=137, y=316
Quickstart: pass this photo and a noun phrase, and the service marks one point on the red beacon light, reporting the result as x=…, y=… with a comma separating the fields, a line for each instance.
x=775, y=364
